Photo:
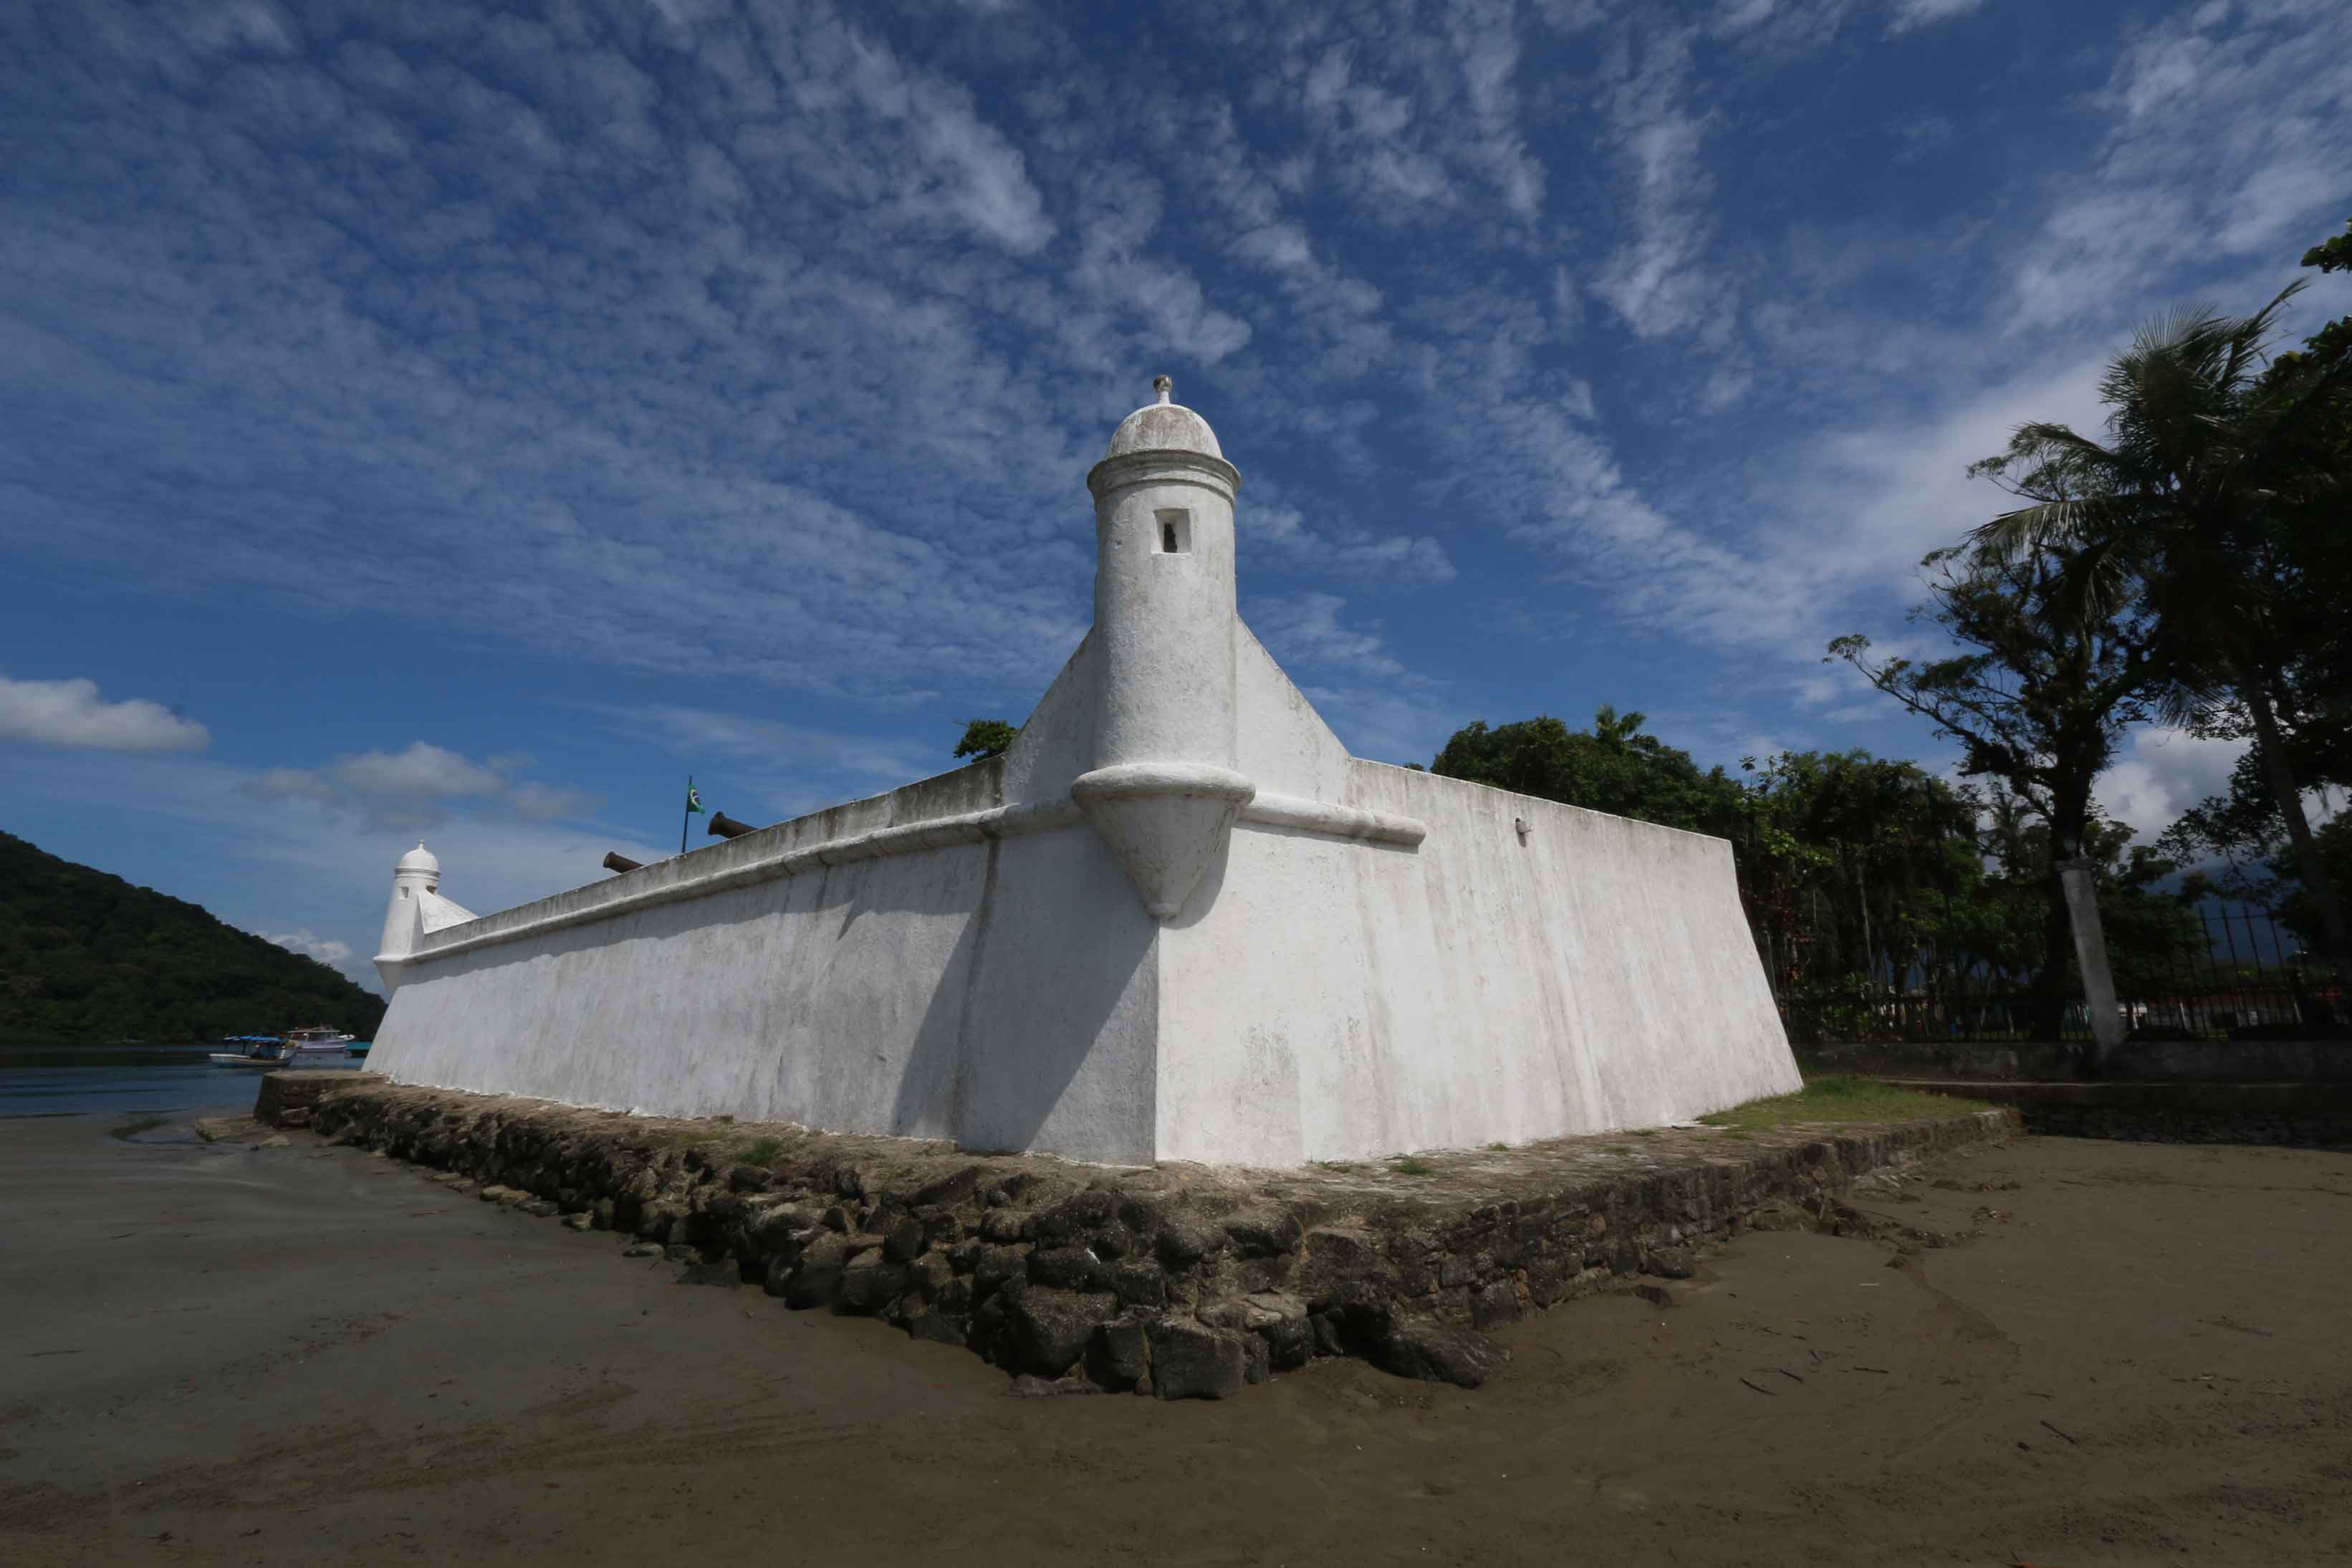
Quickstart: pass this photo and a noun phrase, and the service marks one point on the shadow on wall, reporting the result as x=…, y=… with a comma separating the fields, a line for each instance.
x=1047, y=1011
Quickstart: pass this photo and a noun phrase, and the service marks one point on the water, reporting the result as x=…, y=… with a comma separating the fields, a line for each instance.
x=118, y=1080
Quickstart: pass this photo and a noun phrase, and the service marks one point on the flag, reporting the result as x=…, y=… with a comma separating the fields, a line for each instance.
x=693, y=799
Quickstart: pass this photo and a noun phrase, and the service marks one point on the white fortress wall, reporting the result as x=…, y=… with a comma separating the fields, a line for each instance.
x=1323, y=998
x=986, y=987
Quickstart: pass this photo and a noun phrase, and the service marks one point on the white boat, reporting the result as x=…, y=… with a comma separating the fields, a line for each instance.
x=296, y=1048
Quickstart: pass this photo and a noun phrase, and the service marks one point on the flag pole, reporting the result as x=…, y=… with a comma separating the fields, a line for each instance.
x=687, y=815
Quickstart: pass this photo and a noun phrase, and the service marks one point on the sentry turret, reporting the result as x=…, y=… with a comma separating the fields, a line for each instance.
x=1163, y=791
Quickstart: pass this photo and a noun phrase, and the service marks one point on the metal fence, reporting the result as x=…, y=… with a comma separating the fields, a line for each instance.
x=2251, y=980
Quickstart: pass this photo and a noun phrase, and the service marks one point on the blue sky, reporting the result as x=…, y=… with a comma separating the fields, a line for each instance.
x=461, y=421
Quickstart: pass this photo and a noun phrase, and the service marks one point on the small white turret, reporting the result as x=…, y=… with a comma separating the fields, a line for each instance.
x=416, y=874
x=1163, y=791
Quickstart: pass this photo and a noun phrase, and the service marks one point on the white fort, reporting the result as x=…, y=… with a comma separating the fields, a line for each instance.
x=1175, y=921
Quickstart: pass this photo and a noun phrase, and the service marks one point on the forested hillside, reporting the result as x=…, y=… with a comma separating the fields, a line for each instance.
x=85, y=957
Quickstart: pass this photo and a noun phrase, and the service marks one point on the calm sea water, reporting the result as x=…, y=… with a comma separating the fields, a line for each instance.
x=78, y=1079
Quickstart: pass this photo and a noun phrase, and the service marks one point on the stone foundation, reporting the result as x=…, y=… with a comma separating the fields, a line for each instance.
x=1177, y=1280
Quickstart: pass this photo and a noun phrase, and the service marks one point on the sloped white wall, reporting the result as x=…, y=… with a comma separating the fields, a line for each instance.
x=1002, y=994
x=1322, y=1001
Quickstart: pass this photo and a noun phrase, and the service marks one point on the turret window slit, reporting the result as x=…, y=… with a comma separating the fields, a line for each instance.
x=1175, y=532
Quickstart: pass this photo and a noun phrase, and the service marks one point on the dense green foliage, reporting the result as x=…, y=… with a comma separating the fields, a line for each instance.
x=1613, y=768
x=85, y=957
x=985, y=737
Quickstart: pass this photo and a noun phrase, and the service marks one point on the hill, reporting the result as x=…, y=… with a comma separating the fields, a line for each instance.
x=85, y=957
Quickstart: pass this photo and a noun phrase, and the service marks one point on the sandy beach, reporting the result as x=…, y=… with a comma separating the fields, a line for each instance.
x=2130, y=1353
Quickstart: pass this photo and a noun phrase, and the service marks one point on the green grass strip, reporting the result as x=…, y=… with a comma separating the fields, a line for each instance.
x=1840, y=1097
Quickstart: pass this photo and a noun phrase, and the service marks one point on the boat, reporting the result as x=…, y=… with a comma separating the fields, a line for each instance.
x=317, y=1047
x=250, y=1051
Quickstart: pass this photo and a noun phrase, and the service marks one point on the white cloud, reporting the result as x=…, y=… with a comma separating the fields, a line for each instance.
x=1305, y=630
x=335, y=954
x=326, y=949
x=1911, y=14
x=546, y=802
x=422, y=771
x=70, y=714
x=415, y=789
x=1354, y=554
x=2163, y=772
x=2226, y=144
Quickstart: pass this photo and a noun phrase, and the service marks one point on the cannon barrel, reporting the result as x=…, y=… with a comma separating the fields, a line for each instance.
x=617, y=861
x=723, y=826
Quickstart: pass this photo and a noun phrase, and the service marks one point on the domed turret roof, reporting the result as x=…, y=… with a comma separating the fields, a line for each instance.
x=1163, y=426
x=419, y=859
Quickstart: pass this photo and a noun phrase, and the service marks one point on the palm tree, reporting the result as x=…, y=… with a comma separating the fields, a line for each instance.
x=2186, y=508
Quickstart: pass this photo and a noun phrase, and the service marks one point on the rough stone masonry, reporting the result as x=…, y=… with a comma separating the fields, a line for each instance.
x=1174, y=1280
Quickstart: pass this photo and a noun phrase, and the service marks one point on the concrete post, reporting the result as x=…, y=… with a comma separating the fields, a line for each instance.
x=2081, y=882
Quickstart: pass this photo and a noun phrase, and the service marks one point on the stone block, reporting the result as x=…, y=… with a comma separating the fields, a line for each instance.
x=1185, y=1239
x=1429, y=1351
x=1064, y=1268
x=813, y=1285
x=1048, y=1330
x=1121, y=1354
x=870, y=1284
x=1264, y=1233
x=995, y=1266
x=1495, y=1304
x=1136, y=1283
x=903, y=1241
x=1191, y=1360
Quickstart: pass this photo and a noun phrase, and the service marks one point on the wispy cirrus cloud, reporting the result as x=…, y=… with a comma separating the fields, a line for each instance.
x=775, y=342
x=417, y=788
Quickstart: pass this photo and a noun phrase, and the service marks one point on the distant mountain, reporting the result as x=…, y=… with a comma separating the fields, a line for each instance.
x=85, y=957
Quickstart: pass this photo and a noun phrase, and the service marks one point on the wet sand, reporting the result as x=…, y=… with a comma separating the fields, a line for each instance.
x=298, y=1356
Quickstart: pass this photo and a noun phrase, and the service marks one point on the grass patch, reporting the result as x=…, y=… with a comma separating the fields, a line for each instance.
x=1618, y=1148
x=1644, y=1132
x=1839, y=1097
x=763, y=1152
x=1413, y=1168
x=1498, y=1148
x=1335, y=1165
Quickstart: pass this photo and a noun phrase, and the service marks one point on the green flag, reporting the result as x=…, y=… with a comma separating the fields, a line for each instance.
x=693, y=799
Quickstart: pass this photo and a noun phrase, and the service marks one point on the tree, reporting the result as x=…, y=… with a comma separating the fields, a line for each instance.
x=1859, y=876
x=2052, y=674
x=2193, y=506
x=985, y=737
x=1613, y=768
